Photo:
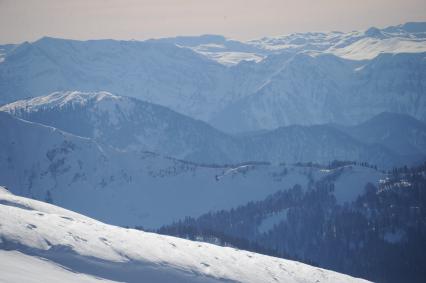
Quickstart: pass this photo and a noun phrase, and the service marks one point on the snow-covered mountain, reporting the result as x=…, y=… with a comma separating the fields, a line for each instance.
x=225, y=51
x=141, y=188
x=306, y=79
x=324, y=88
x=50, y=243
x=158, y=72
x=357, y=45
x=129, y=124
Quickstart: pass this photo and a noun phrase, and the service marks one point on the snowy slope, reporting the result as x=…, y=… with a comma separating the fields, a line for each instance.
x=142, y=188
x=16, y=267
x=92, y=248
x=80, y=174
x=369, y=48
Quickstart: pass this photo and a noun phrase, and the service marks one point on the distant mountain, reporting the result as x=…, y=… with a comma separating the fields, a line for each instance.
x=129, y=124
x=42, y=242
x=218, y=48
x=356, y=45
x=303, y=78
x=398, y=132
x=5, y=49
x=322, y=89
x=158, y=72
x=320, y=144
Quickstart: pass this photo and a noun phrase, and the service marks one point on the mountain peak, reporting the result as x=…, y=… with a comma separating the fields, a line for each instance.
x=60, y=99
x=374, y=32
x=414, y=27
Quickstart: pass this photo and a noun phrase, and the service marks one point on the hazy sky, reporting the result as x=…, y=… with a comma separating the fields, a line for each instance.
x=22, y=20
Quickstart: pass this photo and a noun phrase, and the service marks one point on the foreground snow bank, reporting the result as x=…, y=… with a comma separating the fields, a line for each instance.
x=39, y=239
x=18, y=267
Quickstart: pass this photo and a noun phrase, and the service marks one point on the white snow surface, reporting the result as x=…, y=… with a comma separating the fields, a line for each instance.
x=232, y=58
x=352, y=180
x=369, y=48
x=17, y=267
x=103, y=103
x=91, y=248
x=61, y=99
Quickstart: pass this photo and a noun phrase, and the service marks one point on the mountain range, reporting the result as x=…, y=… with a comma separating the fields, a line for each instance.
x=129, y=124
x=305, y=79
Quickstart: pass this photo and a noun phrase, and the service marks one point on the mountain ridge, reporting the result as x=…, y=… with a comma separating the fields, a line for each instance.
x=383, y=71
x=130, y=124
